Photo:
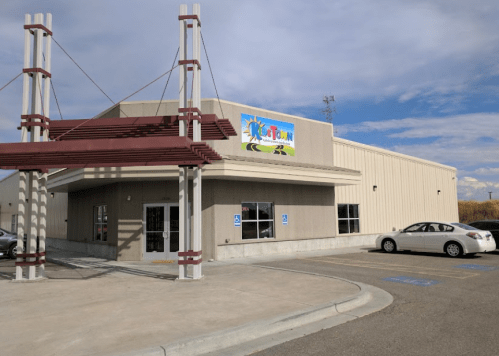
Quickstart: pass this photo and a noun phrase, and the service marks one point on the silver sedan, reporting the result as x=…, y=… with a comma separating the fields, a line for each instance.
x=454, y=239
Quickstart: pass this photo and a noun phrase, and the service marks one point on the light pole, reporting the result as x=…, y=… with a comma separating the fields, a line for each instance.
x=490, y=195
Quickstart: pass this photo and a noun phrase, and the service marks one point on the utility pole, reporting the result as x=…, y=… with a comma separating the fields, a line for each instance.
x=328, y=111
x=490, y=195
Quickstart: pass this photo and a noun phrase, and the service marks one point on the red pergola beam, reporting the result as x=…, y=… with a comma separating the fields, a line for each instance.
x=120, y=152
x=212, y=128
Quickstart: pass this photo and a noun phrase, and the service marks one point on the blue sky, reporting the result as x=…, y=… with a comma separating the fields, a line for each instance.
x=416, y=77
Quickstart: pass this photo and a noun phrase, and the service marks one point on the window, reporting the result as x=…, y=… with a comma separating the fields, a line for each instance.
x=257, y=220
x=348, y=218
x=13, y=225
x=100, y=223
x=419, y=227
x=435, y=227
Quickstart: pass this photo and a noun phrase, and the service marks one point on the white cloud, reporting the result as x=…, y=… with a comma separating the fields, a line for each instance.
x=470, y=188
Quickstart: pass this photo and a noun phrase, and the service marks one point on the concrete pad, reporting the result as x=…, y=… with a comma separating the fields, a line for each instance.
x=111, y=307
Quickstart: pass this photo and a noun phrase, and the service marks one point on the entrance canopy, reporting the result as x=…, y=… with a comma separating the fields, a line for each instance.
x=117, y=152
x=212, y=128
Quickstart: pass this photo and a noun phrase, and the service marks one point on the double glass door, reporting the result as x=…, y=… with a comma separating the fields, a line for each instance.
x=161, y=231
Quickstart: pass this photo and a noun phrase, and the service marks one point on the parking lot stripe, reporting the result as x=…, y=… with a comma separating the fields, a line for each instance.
x=399, y=268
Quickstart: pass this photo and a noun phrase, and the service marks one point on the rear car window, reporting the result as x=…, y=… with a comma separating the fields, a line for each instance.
x=464, y=226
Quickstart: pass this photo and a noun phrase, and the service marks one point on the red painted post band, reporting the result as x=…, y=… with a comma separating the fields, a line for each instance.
x=36, y=70
x=190, y=17
x=190, y=253
x=35, y=116
x=190, y=262
x=189, y=61
x=38, y=26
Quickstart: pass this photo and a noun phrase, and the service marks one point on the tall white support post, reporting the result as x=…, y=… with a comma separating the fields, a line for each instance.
x=21, y=223
x=196, y=132
x=36, y=103
x=183, y=201
x=43, y=179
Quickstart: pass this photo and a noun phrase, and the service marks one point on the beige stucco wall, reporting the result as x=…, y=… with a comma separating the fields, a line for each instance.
x=407, y=187
x=80, y=214
x=125, y=217
x=56, y=207
x=307, y=133
x=309, y=210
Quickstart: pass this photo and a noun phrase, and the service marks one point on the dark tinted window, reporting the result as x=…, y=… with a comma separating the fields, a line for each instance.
x=342, y=211
x=419, y=227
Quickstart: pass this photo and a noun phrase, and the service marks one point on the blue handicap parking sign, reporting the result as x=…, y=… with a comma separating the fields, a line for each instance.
x=285, y=219
x=237, y=219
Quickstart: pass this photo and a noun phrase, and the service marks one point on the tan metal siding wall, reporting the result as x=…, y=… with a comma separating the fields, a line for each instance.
x=56, y=207
x=406, y=188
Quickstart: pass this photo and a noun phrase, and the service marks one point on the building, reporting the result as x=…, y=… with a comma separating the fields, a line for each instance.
x=285, y=184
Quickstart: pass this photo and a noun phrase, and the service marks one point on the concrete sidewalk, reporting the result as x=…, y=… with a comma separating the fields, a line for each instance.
x=101, y=307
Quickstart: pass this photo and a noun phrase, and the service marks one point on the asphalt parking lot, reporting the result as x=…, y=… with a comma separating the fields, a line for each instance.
x=442, y=305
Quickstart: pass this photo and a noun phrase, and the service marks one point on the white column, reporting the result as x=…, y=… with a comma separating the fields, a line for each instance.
x=36, y=103
x=183, y=200
x=42, y=217
x=183, y=218
x=21, y=223
x=196, y=134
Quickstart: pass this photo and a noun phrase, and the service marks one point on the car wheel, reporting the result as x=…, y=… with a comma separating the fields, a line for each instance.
x=453, y=249
x=13, y=251
x=389, y=245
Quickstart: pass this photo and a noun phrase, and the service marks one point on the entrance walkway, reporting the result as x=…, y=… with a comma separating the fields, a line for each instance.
x=93, y=306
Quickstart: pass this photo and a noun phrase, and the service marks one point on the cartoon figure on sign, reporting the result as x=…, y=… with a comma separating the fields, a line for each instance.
x=254, y=129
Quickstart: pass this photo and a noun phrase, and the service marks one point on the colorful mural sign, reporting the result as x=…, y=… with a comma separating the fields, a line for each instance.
x=261, y=134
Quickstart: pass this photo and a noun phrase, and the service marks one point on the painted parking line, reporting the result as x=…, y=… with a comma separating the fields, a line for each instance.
x=477, y=267
x=399, y=268
x=420, y=282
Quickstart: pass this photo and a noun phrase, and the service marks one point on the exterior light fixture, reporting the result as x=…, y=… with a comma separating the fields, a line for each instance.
x=128, y=198
x=438, y=192
x=52, y=195
x=375, y=187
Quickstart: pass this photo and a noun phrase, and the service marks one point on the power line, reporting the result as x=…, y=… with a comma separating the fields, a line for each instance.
x=55, y=96
x=164, y=90
x=10, y=81
x=129, y=96
x=212, y=77
x=67, y=54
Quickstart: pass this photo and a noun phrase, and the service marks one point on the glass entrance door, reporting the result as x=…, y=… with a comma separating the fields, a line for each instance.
x=161, y=231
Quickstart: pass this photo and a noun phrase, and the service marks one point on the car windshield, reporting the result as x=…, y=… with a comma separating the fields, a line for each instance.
x=464, y=226
x=6, y=232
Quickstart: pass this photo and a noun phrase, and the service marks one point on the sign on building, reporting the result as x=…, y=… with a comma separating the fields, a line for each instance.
x=261, y=134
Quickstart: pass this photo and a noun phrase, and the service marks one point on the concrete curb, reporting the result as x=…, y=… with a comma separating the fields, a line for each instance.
x=262, y=334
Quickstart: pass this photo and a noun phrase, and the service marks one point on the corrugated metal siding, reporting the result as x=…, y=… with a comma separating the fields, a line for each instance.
x=406, y=187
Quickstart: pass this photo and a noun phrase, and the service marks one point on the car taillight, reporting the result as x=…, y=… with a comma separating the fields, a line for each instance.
x=474, y=235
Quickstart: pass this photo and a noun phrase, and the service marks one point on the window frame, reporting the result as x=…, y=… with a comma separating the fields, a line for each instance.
x=258, y=220
x=348, y=218
x=103, y=223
